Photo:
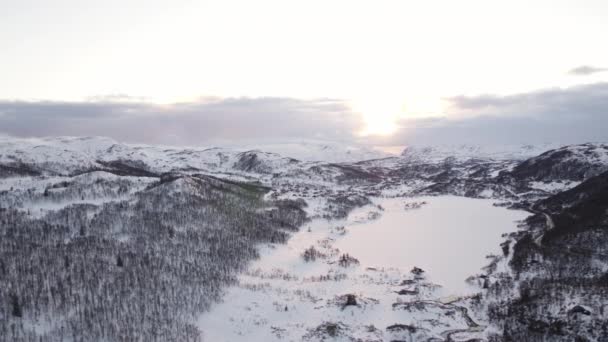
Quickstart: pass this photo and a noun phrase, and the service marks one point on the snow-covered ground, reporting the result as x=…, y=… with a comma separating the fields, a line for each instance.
x=393, y=270
x=284, y=298
x=553, y=187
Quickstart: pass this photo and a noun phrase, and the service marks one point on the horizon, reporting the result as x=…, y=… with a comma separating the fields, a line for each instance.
x=387, y=73
x=282, y=170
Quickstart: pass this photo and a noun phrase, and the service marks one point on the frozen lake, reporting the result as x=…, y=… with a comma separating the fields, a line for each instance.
x=449, y=236
x=282, y=297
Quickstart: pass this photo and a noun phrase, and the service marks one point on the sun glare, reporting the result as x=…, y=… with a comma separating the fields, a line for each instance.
x=381, y=116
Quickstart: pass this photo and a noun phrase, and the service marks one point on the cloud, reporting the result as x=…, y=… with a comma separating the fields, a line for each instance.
x=565, y=115
x=182, y=123
x=586, y=70
x=571, y=115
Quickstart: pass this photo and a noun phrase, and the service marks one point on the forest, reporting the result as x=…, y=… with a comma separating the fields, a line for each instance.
x=127, y=258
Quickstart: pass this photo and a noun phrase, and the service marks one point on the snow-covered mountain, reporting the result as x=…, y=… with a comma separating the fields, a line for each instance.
x=438, y=153
x=101, y=240
x=318, y=150
x=83, y=151
x=575, y=163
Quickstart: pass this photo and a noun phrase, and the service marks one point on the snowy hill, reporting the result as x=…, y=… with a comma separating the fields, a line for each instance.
x=326, y=151
x=574, y=162
x=437, y=153
x=131, y=242
x=65, y=155
x=554, y=287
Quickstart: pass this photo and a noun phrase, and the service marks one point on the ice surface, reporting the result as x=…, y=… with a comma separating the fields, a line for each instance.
x=448, y=237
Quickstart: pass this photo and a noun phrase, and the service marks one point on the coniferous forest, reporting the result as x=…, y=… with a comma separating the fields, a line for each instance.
x=137, y=266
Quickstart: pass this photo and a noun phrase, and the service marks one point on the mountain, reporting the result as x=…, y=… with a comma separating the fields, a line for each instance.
x=572, y=163
x=559, y=285
x=462, y=152
x=101, y=240
x=319, y=150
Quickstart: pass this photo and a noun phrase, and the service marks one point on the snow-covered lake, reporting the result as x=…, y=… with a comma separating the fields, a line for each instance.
x=449, y=236
x=283, y=298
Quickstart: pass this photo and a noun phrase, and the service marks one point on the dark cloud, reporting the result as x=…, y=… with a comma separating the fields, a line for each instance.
x=586, y=70
x=570, y=115
x=182, y=123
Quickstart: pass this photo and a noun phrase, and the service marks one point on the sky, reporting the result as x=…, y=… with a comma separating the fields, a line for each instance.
x=382, y=72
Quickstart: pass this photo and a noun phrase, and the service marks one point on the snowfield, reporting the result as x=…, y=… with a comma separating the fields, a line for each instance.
x=282, y=297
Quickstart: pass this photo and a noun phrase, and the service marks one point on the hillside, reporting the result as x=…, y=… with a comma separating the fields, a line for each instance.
x=101, y=240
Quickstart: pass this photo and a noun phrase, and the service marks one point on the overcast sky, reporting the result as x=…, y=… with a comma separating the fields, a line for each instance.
x=388, y=72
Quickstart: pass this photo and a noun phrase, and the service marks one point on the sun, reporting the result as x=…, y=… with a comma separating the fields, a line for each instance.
x=381, y=115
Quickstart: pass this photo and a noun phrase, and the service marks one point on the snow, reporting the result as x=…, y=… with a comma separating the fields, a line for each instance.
x=282, y=297
x=76, y=153
x=327, y=151
x=448, y=236
x=553, y=187
x=438, y=153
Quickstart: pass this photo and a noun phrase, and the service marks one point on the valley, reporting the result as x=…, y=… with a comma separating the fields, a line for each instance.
x=107, y=241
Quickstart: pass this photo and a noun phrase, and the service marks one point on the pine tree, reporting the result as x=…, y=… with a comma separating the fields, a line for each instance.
x=17, y=312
